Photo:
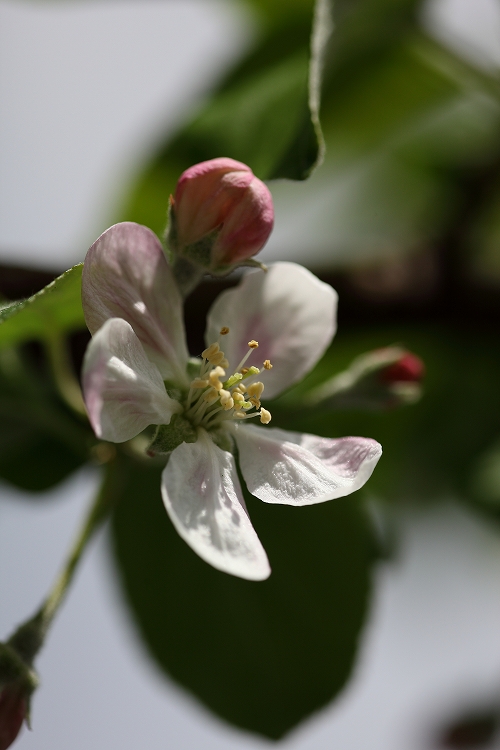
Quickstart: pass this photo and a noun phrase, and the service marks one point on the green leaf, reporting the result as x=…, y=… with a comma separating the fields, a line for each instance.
x=56, y=308
x=266, y=114
x=262, y=655
x=41, y=442
x=431, y=448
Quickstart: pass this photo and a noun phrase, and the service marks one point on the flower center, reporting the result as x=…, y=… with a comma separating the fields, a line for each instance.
x=214, y=398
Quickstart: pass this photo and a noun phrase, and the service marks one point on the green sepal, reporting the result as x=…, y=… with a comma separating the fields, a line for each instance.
x=168, y=436
x=223, y=440
x=17, y=675
x=173, y=390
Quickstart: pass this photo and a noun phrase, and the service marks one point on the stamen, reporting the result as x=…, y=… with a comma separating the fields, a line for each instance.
x=265, y=416
x=233, y=380
x=242, y=415
x=251, y=371
x=210, y=351
x=225, y=398
x=199, y=383
x=252, y=345
x=224, y=331
x=211, y=396
x=255, y=389
x=267, y=364
x=238, y=397
x=215, y=376
x=219, y=359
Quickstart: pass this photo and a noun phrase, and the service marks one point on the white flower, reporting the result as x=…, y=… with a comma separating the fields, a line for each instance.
x=274, y=326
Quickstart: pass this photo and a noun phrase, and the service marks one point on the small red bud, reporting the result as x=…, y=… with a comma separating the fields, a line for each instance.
x=222, y=197
x=13, y=709
x=408, y=369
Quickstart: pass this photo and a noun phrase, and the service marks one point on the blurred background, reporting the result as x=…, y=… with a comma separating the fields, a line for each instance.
x=103, y=105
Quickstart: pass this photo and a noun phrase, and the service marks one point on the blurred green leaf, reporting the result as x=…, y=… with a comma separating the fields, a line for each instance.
x=41, y=443
x=266, y=113
x=262, y=655
x=57, y=308
x=432, y=447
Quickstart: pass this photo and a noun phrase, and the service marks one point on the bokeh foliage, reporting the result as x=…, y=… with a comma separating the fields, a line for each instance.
x=261, y=655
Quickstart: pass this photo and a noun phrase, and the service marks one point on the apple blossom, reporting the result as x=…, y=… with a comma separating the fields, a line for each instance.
x=220, y=216
x=261, y=336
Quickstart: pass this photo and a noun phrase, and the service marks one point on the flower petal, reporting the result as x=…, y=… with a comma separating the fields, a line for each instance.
x=202, y=495
x=288, y=311
x=126, y=275
x=123, y=390
x=291, y=468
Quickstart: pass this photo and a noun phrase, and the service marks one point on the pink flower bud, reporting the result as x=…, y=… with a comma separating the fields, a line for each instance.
x=221, y=215
x=13, y=709
x=408, y=369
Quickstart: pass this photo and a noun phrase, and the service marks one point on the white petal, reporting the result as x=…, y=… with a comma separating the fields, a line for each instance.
x=288, y=311
x=126, y=275
x=203, y=498
x=295, y=469
x=123, y=390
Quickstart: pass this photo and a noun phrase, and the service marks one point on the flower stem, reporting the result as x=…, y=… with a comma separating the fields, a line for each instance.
x=30, y=636
x=63, y=372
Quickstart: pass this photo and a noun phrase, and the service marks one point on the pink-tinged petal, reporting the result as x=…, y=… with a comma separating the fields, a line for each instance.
x=126, y=275
x=123, y=391
x=294, y=469
x=288, y=311
x=202, y=495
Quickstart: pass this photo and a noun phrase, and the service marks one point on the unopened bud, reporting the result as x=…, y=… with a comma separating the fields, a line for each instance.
x=381, y=379
x=13, y=711
x=407, y=369
x=17, y=683
x=220, y=216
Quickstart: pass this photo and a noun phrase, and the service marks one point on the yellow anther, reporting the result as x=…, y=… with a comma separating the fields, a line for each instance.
x=265, y=416
x=215, y=376
x=267, y=364
x=224, y=363
x=210, y=351
x=218, y=359
x=238, y=397
x=211, y=396
x=199, y=383
x=224, y=396
x=239, y=414
x=224, y=331
x=255, y=389
x=255, y=402
x=228, y=405
x=253, y=344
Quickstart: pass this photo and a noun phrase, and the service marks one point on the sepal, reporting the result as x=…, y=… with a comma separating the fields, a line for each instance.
x=169, y=436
